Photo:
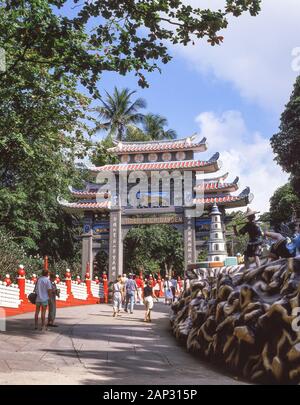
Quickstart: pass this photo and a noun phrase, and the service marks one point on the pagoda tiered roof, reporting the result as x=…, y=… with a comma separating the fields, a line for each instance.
x=215, y=189
x=88, y=192
x=228, y=200
x=211, y=186
x=208, y=166
x=174, y=145
x=85, y=205
x=219, y=179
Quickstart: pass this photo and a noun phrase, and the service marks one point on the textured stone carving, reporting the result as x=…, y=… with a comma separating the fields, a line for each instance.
x=245, y=320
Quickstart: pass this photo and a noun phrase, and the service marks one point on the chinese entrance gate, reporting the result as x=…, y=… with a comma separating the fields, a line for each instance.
x=164, y=184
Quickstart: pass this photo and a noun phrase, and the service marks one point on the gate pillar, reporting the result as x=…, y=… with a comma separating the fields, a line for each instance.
x=189, y=238
x=115, y=245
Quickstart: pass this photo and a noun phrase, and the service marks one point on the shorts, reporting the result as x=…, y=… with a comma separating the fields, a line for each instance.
x=253, y=250
x=42, y=304
x=148, y=301
x=168, y=294
x=279, y=249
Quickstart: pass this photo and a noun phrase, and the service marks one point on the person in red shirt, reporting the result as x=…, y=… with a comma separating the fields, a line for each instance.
x=140, y=286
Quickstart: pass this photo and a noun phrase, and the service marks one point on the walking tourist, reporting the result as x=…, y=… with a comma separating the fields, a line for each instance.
x=140, y=286
x=52, y=302
x=130, y=288
x=179, y=285
x=168, y=291
x=173, y=287
x=254, y=231
x=43, y=291
x=123, y=281
x=156, y=288
x=117, y=296
x=148, y=300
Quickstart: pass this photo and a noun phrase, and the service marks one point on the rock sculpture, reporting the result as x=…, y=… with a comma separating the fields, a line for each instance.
x=244, y=319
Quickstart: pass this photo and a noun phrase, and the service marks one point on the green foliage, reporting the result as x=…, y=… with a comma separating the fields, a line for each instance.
x=100, y=155
x=59, y=267
x=132, y=35
x=282, y=205
x=108, y=35
x=286, y=143
x=136, y=134
x=265, y=217
x=117, y=112
x=101, y=263
x=153, y=248
x=153, y=128
x=43, y=116
x=39, y=106
x=12, y=255
x=202, y=256
x=119, y=116
x=238, y=243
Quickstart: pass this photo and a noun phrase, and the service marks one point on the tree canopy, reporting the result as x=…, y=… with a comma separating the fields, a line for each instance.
x=286, y=143
x=53, y=48
x=110, y=35
x=42, y=128
x=282, y=205
x=118, y=112
x=154, y=128
x=153, y=248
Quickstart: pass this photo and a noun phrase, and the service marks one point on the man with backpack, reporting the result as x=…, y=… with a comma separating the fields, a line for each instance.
x=130, y=289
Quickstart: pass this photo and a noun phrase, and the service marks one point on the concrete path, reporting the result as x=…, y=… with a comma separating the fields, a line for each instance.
x=91, y=347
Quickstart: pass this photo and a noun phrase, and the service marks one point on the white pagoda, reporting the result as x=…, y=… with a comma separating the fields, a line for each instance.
x=216, y=244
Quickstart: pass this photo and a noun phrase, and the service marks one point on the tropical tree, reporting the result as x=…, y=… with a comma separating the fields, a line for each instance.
x=118, y=112
x=43, y=115
x=286, y=143
x=283, y=204
x=136, y=134
x=153, y=128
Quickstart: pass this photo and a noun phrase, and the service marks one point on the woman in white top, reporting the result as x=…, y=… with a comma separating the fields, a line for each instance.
x=168, y=291
x=117, y=296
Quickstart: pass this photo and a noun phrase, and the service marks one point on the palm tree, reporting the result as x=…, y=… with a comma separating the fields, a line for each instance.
x=153, y=128
x=118, y=112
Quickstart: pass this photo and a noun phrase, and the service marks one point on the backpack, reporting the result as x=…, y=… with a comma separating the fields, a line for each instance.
x=33, y=296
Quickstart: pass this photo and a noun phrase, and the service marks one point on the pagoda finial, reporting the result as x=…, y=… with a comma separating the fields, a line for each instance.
x=215, y=210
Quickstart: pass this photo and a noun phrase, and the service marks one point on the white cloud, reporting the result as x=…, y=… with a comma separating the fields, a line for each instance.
x=244, y=154
x=256, y=55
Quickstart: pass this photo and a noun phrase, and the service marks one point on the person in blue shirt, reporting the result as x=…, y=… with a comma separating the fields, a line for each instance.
x=130, y=289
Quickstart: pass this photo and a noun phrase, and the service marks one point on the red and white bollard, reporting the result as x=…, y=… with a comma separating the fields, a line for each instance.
x=68, y=283
x=7, y=280
x=105, y=287
x=21, y=283
x=88, y=283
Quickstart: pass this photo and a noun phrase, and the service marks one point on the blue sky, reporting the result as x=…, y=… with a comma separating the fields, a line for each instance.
x=233, y=94
x=179, y=93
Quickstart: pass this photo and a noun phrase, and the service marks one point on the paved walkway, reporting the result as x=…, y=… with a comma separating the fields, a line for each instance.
x=91, y=347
